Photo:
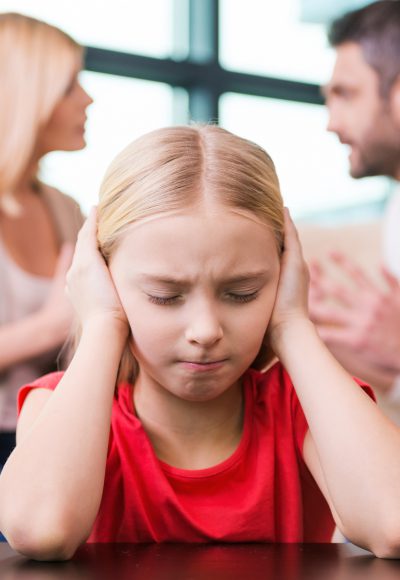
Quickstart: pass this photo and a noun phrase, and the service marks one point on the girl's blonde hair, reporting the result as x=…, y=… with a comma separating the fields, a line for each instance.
x=178, y=167
x=37, y=62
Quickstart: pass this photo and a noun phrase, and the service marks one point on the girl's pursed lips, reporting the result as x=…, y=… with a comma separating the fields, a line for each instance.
x=203, y=365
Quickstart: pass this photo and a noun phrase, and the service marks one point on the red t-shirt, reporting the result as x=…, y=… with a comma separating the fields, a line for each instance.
x=262, y=493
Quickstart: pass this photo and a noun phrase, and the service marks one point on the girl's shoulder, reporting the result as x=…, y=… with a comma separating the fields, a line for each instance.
x=123, y=393
x=276, y=380
x=273, y=380
x=272, y=394
x=122, y=404
x=275, y=408
x=49, y=381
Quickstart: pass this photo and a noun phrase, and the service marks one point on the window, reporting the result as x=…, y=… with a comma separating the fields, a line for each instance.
x=209, y=57
x=285, y=39
x=132, y=26
x=269, y=38
x=123, y=109
x=311, y=164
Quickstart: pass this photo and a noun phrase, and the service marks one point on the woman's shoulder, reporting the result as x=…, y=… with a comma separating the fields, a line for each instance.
x=57, y=195
x=65, y=210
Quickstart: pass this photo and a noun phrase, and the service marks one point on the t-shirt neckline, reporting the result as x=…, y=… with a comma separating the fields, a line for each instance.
x=222, y=466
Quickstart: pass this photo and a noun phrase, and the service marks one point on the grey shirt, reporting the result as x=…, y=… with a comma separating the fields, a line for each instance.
x=21, y=294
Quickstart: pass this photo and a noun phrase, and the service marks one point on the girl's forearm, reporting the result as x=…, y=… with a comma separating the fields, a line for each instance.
x=52, y=483
x=358, y=447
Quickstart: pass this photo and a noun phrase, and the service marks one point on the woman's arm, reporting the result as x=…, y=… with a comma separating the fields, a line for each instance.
x=42, y=330
x=352, y=449
x=51, y=486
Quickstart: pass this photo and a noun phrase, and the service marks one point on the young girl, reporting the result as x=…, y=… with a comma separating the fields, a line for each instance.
x=195, y=259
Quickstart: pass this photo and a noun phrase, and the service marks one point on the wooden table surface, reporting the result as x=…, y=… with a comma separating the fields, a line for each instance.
x=204, y=562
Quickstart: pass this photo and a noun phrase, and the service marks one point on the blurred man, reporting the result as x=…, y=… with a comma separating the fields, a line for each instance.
x=361, y=321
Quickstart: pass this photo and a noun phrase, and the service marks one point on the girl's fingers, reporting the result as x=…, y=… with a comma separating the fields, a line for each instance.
x=290, y=229
x=89, y=228
x=292, y=242
x=294, y=276
x=64, y=260
x=86, y=249
x=92, y=218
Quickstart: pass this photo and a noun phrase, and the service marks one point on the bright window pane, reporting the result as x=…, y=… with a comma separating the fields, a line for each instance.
x=311, y=164
x=144, y=27
x=123, y=109
x=286, y=38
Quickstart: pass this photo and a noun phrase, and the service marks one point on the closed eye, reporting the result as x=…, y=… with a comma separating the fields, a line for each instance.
x=242, y=298
x=164, y=300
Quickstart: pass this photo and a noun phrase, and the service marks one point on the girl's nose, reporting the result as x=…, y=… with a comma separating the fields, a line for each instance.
x=204, y=327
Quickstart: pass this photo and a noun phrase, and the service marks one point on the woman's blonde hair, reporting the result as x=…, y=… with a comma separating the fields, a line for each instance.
x=178, y=167
x=37, y=62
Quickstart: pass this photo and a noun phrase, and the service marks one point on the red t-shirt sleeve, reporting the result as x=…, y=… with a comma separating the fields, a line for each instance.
x=300, y=421
x=312, y=497
x=49, y=381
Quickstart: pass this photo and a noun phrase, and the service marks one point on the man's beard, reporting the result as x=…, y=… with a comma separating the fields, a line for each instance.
x=379, y=153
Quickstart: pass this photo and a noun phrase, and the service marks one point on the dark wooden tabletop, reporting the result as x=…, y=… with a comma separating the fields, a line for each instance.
x=204, y=562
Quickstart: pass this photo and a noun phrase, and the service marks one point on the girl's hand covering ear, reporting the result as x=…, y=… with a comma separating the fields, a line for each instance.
x=89, y=283
x=292, y=294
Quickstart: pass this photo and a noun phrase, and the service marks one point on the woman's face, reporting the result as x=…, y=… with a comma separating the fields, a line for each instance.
x=65, y=130
x=198, y=288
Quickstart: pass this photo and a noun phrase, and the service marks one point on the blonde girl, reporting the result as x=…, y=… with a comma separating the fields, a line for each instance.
x=165, y=427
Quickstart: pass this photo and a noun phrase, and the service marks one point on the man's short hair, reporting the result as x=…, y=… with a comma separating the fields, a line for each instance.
x=376, y=28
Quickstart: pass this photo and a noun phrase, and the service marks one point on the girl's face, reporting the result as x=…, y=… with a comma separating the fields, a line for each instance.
x=65, y=130
x=198, y=288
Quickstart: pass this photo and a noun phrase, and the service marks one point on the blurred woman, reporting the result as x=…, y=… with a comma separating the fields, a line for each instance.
x=42, y=109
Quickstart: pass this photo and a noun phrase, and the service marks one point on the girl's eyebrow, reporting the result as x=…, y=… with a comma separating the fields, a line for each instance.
x=248, y=276
x=175, y=281
x=161, y=279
